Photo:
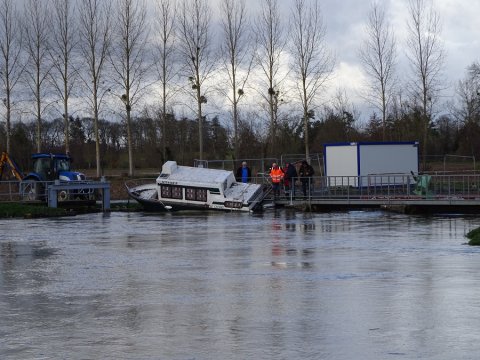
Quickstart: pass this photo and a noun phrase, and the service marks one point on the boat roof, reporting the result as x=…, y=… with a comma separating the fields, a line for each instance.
x=193, y=175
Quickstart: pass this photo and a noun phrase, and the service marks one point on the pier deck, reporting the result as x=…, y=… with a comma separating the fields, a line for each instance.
x=405, y=193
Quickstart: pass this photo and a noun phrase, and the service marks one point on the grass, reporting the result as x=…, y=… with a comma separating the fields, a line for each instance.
x=28, y=211
x=16, y=210
x=474, y=236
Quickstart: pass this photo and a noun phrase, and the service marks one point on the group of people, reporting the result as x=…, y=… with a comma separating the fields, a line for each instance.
x=278, y=176
x=288, y=176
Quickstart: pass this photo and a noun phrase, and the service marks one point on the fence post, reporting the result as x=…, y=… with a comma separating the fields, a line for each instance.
x=52, y=194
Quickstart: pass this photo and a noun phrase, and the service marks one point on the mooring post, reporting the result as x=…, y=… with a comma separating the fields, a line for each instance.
x=52, y=195
x=105, y=194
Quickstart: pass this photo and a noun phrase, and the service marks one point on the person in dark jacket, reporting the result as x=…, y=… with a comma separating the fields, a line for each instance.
x=305, y=173
x=243, y=174
x=289, y=178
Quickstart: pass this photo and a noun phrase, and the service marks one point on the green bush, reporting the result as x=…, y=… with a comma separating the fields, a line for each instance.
x=474, y=236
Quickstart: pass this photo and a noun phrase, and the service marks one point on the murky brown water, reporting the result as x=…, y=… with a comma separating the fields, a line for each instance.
x=283, y=285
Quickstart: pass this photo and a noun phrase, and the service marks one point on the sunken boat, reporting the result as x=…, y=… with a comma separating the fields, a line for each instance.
x=196, y=188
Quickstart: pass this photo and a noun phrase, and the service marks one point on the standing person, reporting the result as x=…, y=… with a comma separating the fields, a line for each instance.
x=244, y=174
x=289, y=179
x=276, y=174
x=306, y=172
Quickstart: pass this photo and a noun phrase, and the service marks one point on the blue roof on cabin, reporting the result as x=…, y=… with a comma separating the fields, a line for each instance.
x=357, y=143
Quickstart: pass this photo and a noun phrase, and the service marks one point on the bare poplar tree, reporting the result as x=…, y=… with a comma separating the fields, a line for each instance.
x=466, y=108
x=11, y=66
x=64, y=43
x=195, y=47
x=236, y=57
x=312, y=63
x=474, y=70
x=426, y=56
x=128, y=59
x=270, y=43
x=378, y=54
x=468, y=92
x=95, y=40
x=37, y=31
x=166, y=67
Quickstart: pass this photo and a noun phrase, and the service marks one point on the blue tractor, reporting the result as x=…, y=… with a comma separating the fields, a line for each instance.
x=51, y=167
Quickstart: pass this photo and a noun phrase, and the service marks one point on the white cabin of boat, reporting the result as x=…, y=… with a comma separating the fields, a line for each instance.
x=198, y=184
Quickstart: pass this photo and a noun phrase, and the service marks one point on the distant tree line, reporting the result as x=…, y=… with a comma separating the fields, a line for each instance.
x=132, y=83
x=447, y=136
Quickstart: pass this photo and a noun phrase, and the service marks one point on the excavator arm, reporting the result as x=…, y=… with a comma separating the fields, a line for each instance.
x=7, y=162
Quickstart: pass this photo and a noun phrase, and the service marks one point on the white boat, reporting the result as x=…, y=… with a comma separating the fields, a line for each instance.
x=194, y=188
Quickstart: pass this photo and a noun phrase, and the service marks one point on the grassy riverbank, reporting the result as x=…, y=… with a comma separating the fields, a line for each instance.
x=28, y=211
x=17, y=210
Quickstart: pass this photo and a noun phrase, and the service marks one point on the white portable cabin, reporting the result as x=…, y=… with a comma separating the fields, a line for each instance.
x=370, y=163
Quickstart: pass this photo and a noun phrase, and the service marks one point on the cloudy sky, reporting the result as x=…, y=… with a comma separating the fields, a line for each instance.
x=345, y=22
x=460, y=33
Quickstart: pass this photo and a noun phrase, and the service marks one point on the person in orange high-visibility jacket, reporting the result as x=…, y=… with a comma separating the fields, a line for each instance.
x=276, y=174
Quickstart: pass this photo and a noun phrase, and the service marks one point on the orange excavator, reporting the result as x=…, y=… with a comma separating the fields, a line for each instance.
x=6, y=162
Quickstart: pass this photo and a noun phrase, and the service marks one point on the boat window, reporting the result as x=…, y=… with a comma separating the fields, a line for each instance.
x=171, y=192
x=189, y=193
x=201, y=195
x=196, y=194
x=177, y=192
x=166, y=191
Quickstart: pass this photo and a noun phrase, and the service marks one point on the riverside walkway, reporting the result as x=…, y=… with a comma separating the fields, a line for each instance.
x=451, y=193
x=428, y=193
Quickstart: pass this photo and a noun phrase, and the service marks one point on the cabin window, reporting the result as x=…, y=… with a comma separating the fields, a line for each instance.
x=201, y=195
x=177, y=192
x=190, y=194
x=196, y=194
x=171, y=192
x=166, y=191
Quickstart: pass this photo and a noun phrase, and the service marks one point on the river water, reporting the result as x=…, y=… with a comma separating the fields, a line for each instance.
x=277, y=285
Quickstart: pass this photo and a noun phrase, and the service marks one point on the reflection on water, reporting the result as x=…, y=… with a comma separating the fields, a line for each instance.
x=283, y=284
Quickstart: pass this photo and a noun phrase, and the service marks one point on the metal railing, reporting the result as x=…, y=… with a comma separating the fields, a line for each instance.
x=28, y=190
x=14, y=190
x=388, y=186
x=372, y=187
x=10, y=190
x=259, y=165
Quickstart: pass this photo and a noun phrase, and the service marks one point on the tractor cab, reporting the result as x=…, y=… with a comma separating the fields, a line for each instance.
x=49, y=167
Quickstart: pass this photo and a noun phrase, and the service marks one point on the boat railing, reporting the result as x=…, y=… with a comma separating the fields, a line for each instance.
x=131, y=183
